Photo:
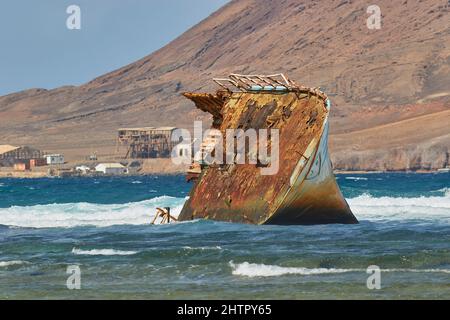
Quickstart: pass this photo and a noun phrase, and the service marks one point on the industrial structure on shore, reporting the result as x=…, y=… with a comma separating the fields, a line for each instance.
x=145, y=143
x=10, y=155
x=26, y=158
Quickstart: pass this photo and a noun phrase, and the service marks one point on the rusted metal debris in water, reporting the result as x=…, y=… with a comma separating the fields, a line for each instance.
x=164, y=215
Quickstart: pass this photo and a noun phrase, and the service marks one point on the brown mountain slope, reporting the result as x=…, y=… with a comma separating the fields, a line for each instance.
x=374, y=77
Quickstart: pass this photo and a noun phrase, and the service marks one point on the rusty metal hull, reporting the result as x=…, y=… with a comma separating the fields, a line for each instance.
x=303, y=191
x=314, y=196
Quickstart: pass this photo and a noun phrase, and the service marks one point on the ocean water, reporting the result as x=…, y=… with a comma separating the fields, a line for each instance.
x=102, y=225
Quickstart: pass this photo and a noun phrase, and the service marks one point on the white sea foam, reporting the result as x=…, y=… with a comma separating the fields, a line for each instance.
x=11, y=263
x=262, y=270
x=103, y=252
x=445, y=191
x=365, y=207
x=417, y=270
x=87, y=214
x=398, y=208
x=137, y=182
x=356, y=178
x=203, y=248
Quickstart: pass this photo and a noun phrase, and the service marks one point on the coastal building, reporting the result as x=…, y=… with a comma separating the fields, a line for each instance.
x=22, y=166
x=9, y=155
x=111, y=168
x=83, y=169
x=38, y=162
x=53, y=159
x=145, y=143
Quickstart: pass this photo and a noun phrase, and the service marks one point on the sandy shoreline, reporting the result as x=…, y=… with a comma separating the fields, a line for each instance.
x=147, y=167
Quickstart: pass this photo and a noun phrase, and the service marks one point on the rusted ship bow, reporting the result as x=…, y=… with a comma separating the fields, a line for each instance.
x=303, y=191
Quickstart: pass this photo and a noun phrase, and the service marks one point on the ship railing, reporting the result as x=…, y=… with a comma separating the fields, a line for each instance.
x=226, y=82
x=246, y=83
x=266, y=83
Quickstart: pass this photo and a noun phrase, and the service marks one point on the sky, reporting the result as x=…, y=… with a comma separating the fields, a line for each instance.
x=38, y=50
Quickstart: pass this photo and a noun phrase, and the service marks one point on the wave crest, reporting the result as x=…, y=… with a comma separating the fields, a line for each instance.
x=70, y=215
x=11, y=263
x=357, y=178
x=103, y=252
x=262, y=270
x=398, y=208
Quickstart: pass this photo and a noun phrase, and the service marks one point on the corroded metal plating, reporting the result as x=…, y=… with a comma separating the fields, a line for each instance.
x=304, y=191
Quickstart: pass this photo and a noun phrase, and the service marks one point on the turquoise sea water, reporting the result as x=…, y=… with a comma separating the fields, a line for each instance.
x=102, y=226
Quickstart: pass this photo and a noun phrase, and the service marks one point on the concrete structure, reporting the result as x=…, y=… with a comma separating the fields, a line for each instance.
x=145, y=143
x=53, y=159
x=38, y=162
x=9, y=155
x=111, y=168
x=83, y=169
x=22, y=166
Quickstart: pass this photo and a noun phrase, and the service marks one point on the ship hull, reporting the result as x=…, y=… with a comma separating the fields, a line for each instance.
x=302, y=191
x=314, y=196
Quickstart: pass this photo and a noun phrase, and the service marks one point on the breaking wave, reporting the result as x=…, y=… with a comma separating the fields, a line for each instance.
x=262, y=270
x=357, y=178
x=11, y=263
x=103, y=252
x=70, y=215
x=202, y=248
x=445, y=191
x=365, y=207
x=398, y=208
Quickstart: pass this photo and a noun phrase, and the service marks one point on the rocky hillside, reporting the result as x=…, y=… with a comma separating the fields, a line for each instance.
x=390, y=87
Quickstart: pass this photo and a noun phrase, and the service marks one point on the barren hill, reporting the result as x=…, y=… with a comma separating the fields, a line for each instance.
x=390, y=87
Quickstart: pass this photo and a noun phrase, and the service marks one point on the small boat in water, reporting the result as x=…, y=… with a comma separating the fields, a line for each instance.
x=303, y=190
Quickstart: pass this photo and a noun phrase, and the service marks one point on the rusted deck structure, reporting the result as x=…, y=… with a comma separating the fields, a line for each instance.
x=304, y=190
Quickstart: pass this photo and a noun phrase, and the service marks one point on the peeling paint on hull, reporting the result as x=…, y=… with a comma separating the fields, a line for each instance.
x=303, y=192
x=316, y=198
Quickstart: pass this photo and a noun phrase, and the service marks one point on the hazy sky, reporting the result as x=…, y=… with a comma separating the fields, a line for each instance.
x=37, y=50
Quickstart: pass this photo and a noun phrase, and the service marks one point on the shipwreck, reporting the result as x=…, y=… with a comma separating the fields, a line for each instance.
x=303, y=191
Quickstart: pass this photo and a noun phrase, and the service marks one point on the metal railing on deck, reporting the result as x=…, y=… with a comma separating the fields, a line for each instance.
x=245, y=83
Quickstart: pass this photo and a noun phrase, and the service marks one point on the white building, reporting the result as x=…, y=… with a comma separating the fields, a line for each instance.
x=54, y=159
x=83, y=169
x=111, y=168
